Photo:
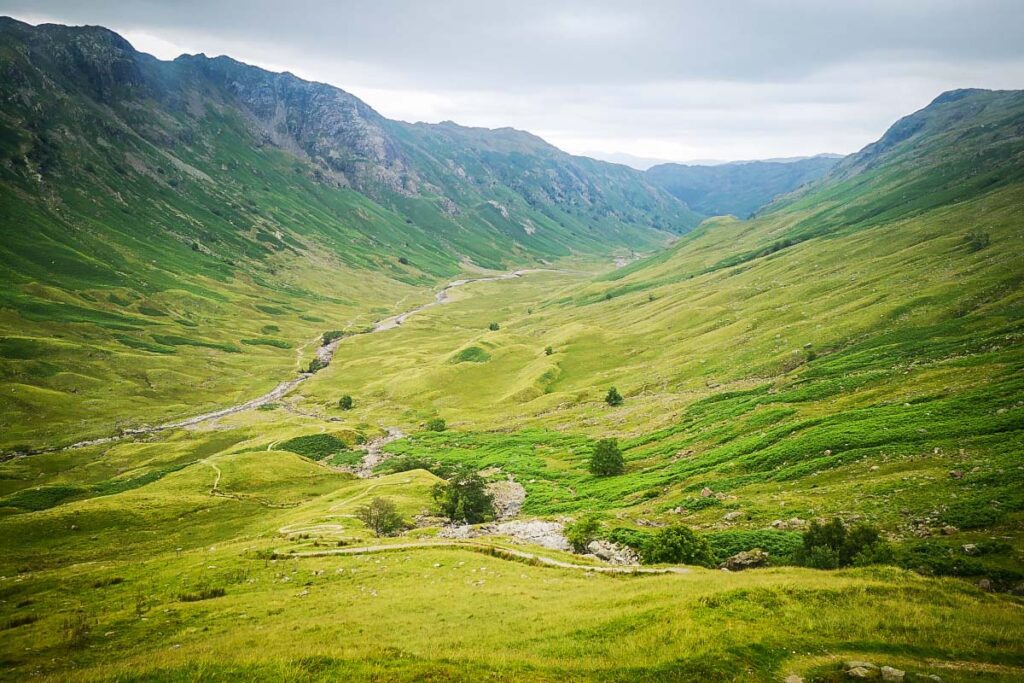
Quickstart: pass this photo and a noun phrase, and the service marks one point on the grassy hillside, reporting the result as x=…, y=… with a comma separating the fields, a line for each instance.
x=177, y=233
x=854, y=352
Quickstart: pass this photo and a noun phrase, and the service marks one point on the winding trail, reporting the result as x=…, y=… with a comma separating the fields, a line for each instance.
x=497, y=551
x=324, y=353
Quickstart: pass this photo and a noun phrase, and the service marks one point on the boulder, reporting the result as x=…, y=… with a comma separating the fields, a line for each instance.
x=969, y=549
x=706, y=492
x=956, y=474
x=793, y=678
x=748, y=559
x=613, y=553
x=731, y=516
x=861, y=670
x=892, y=674
x=949, y=530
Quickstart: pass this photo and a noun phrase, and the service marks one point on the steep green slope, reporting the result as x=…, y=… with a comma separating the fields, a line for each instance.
x=739, y=188
x=175, y=233
x=854, y=352
x=841, y=354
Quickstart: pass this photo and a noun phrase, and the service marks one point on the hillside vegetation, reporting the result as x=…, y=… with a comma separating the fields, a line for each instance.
x=169, y=227
x=853, y=353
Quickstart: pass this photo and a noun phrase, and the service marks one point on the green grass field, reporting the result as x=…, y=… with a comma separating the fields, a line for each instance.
x=852, y=352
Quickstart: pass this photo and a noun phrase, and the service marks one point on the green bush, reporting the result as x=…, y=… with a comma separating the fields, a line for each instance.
x=581, y=532
x=381, y=516
x=606, y=460
x=330, y=336
x=493, y=327
x=613, y=397
x=436, y=424
x=345, y=402
x=548, y=350
x=677, y=545
x=464, y=497
x=832, y=545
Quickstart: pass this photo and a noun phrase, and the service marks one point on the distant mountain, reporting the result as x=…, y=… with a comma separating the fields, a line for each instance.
x=639, y=163
x=738, y=188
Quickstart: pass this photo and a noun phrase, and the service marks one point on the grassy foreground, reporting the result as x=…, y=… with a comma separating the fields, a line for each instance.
x=179, y=580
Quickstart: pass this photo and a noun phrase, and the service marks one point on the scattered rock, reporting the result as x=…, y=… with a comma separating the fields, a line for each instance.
x=613, y=553
x=731, y=516
x=828, y=451
x=892, y=674
x=536, y=531
x=508, y=497
x=793, y=678
x=747, y=559
x=949, y=530
x=969, y=549
x=706, y=492
x=875, y=468
x=956, y=474
x=985, y=584
x=720, y=496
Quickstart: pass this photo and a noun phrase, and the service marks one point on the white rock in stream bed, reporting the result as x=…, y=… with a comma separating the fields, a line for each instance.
x=538, y=532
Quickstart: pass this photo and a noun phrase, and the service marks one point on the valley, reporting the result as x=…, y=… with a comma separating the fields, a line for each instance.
x=294, y=391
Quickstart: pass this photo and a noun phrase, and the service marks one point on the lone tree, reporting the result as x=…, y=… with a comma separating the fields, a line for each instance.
x=493, y=327
x=613, y=397
x=606, y=459
x=381, y=517
x=548, y=350
x=464, y=497
x=345, y=402
x=436, y=424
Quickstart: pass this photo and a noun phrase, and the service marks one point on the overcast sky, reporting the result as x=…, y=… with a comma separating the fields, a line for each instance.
x=670, y=80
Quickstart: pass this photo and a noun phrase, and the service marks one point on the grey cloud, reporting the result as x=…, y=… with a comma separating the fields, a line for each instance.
x=772, y=77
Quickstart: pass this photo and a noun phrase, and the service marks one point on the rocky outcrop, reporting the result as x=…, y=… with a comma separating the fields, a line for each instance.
x=747, y=559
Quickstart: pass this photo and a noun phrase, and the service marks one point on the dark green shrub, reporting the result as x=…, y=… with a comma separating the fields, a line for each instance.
x=677, y=545
x=330, y=336
x=493, y=327
x=548, y=350
x=345, y=402
x=606, y=460
x=436, y=424
x=613, y=397
x=832, y=545
x=464, y=497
